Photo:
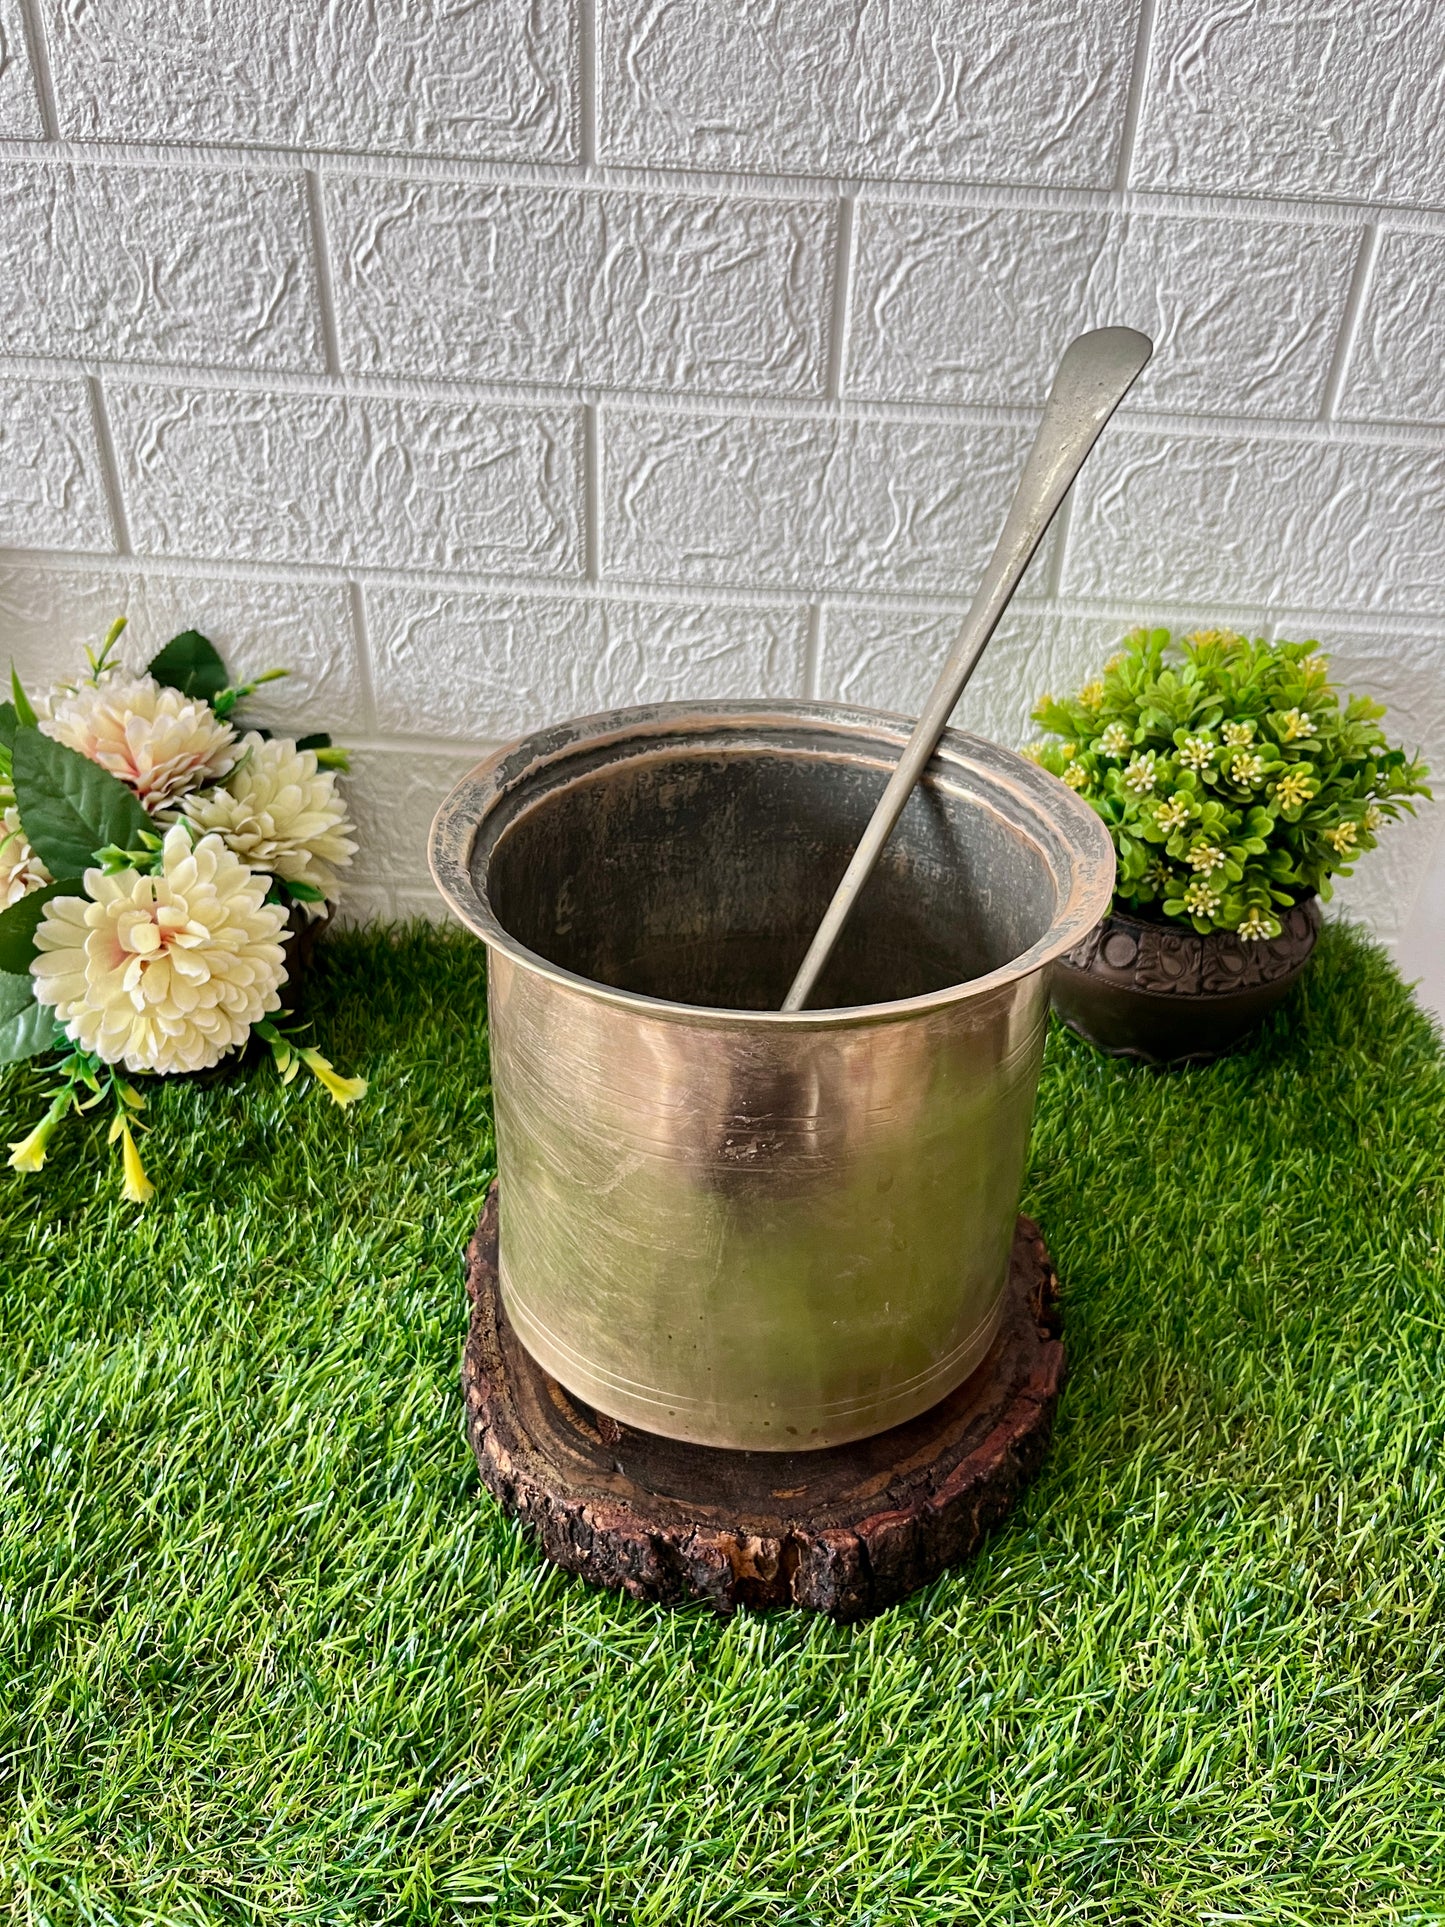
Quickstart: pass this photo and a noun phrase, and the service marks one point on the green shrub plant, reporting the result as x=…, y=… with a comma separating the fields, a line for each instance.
x=1234, y=779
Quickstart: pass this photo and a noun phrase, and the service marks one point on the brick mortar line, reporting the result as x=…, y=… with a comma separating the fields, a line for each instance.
x=815, y=643
x=543, y=397
x=321, y=263
x=586, y=90
x=606, y=176
x=1068, y=606
x=843, y=267
x=1356, y=300
x=109, y=467
x=1138, y=90
x=365, y=655
x=33, y=24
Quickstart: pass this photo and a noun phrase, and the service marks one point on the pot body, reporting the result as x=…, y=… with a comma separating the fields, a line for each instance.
x=718, y=1222
x=1165, y=995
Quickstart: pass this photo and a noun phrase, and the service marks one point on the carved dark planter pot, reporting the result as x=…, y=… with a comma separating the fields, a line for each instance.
x=1163, y=994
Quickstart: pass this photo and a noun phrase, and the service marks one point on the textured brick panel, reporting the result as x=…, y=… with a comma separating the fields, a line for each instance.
x=51, y=492
x=551, y=284
x=322, y=479
x=19, y=108
x=803, y=504
x=1344, y=100
x=157, y=264
x=1312, y=524
x=1395, y=371
x=48, y=617
x=425, y=77
x=366, y=903
x=1420, y=945
x=1384, y=890
x=464, y=666
x=889, y=658
x=962, y=304
x=1006, y=90
x=394, y=795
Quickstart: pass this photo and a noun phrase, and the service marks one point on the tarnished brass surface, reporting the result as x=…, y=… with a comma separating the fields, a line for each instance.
x=722, y=1222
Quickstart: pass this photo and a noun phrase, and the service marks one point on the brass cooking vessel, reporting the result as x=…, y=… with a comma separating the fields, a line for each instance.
x=719, y=1222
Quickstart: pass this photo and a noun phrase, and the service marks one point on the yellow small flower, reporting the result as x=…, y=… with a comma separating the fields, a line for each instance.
x=1315, y=665
x=1206, y=859
x=28, y=1153
x=345, y=1090
x=1342, y=837
x=1202, y=898
x=1091, y=695
x=1068, y=751
x=1374, y=817
x=138, y=1187
x=1238, y=734
x=1295, y=725
x=1207, y=638
x=1174, y=813
x=1293, y=788
x=1076, y=776
x=1114, y=740
x=1247, y=767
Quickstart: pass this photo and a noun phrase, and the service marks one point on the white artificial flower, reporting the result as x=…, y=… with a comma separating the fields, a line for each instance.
x=1174, y=813
x=1113, y=741
x=1257, y=924
x=21, y=870
x=1238, y=735
x=1246, y=768
x=1195, y=752
x=1141, y=775
x=163, y=973
x=280, y=812
x=1206, y=858
x=1202, y=898
x=157, y=741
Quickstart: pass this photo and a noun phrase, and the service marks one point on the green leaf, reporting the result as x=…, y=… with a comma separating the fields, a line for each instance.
x=192, y=664
x=22, y=702
x=70, y=807
x=26, y=1027
x=19, y=923
x=303, y=892
x=9, y=723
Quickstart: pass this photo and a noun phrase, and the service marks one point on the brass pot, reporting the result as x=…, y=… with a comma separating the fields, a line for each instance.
x=719, y=1222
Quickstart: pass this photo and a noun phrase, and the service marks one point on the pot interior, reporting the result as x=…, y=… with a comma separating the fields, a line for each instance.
x=699, y=875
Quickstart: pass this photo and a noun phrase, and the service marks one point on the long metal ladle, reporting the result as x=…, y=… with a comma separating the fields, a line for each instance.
x=1096, y=373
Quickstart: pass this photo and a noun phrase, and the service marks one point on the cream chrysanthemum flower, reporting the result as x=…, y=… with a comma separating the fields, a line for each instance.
x=21, y=870
x=163, y=973
x=280, y=812
x=157, y=741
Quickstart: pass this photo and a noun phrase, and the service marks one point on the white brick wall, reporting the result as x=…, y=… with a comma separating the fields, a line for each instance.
x=498, y=362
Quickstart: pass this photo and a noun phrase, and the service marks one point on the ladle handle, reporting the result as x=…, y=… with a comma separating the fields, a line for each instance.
x=1096, y=373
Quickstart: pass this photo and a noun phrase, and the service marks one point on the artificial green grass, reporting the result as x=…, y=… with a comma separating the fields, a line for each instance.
x=271, y=1654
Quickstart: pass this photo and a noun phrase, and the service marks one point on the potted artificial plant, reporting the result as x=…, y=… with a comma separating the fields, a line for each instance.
x=1235, y=784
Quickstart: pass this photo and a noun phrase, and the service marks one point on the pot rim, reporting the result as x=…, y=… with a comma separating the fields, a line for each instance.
x=1084, y=895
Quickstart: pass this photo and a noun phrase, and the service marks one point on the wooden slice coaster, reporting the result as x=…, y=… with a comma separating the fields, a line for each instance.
x=844, y=1531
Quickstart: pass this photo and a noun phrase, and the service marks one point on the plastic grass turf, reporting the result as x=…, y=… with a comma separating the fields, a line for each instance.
x=270, y=1654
